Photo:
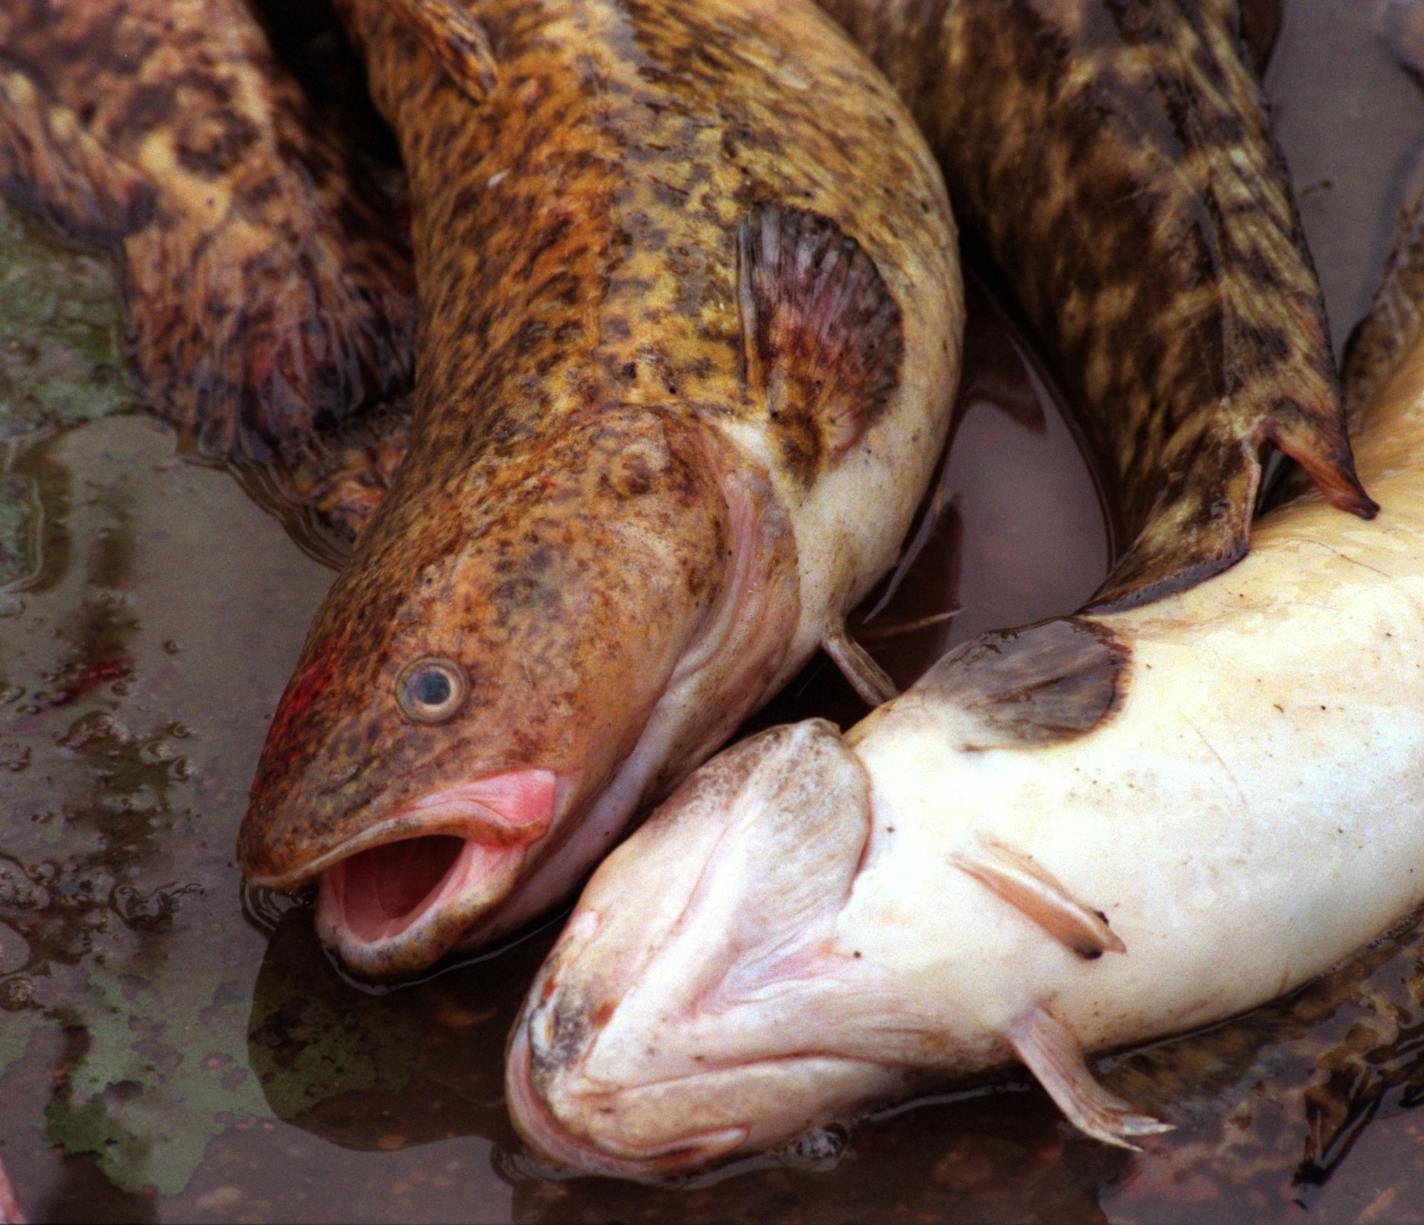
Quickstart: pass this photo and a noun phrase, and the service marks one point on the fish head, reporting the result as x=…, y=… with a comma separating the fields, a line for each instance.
x=475, y=677
x=699, y=1003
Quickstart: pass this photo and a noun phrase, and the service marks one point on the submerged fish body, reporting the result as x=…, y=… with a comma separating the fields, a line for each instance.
x=1083, y=834
x=689, y=330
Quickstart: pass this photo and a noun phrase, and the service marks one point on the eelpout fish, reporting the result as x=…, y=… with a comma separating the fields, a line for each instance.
x=1116, y=161
x=1082, y=834
x=689, y=330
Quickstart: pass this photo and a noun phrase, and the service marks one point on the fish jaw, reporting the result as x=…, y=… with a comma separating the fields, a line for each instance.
x=404, y=898
x=660, y=1037
x=609, y=639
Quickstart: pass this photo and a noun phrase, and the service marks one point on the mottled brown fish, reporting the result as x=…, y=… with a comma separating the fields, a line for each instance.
x=1039, y=850
x=1117, y=164
x=689, y=321
x=1116, y=161
x=267, y=297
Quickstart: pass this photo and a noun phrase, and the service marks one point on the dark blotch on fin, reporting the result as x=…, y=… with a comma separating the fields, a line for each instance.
x=1052, y=681
x=821, y=335
x=456, y=39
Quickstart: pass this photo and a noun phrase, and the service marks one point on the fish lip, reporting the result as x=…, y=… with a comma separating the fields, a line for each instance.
x=450, y=811
x=552, y=1141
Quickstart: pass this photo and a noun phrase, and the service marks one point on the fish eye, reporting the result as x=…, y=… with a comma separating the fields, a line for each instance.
x=430, y=690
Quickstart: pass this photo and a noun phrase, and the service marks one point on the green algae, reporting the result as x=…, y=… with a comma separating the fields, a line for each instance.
x=61, y=331
x=157, y=1081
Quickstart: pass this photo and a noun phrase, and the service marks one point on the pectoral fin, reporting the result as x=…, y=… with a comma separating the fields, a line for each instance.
x=866, y=676
x=1052, y=1052
x=821, y=334
x=1032, y=890
x=455, y=37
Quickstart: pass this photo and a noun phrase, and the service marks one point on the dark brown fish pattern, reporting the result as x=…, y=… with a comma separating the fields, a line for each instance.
x=689, y=311
x=1116, y=161
x=267, y=297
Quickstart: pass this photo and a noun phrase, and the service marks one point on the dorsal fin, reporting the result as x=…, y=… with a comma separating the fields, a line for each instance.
x=1036, y=893
x=1052, y=1052
x=455, y=37
x=821, y=334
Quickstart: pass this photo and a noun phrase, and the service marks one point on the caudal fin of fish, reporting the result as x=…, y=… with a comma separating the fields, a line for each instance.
x=1052, y=1052
x=265, y=298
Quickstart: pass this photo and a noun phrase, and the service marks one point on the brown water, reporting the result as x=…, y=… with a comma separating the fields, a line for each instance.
x=164, y=1058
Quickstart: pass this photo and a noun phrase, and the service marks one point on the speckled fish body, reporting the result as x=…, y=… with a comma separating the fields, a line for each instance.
x=1079, y=835
x=689, y=329
x=1116, y=162
x=268, y=297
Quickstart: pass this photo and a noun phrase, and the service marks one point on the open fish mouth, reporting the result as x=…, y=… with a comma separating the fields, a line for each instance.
x=399, y=895
x=399, y=907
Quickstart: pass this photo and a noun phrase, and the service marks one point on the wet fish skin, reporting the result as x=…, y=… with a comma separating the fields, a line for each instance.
x=1116, y=161
x=267, y=297
x=1039, y=850
x=662, y=252
x=1118, y=165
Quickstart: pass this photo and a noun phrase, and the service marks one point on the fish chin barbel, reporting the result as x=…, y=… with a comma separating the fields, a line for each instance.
x=690, y=316
x=1041, y=849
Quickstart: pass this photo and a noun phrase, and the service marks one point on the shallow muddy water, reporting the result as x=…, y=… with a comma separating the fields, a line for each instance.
x=166, y=1054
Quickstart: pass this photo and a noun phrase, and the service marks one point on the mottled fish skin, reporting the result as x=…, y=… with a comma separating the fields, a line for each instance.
x=688, y=303
x=1117, y=162
x=1039, y=850
x=267, y=296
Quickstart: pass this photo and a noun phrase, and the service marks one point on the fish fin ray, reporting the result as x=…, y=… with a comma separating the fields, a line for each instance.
x=1052, y=1052
x=856, y=664
x=1031, y=889
x=821, y=334
x=457, y=39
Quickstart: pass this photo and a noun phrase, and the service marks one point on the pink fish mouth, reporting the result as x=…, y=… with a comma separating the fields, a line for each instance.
x=400, y=895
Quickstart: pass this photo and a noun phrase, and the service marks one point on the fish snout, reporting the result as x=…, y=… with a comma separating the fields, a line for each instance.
x=574, y=1120
x=694, y=1006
